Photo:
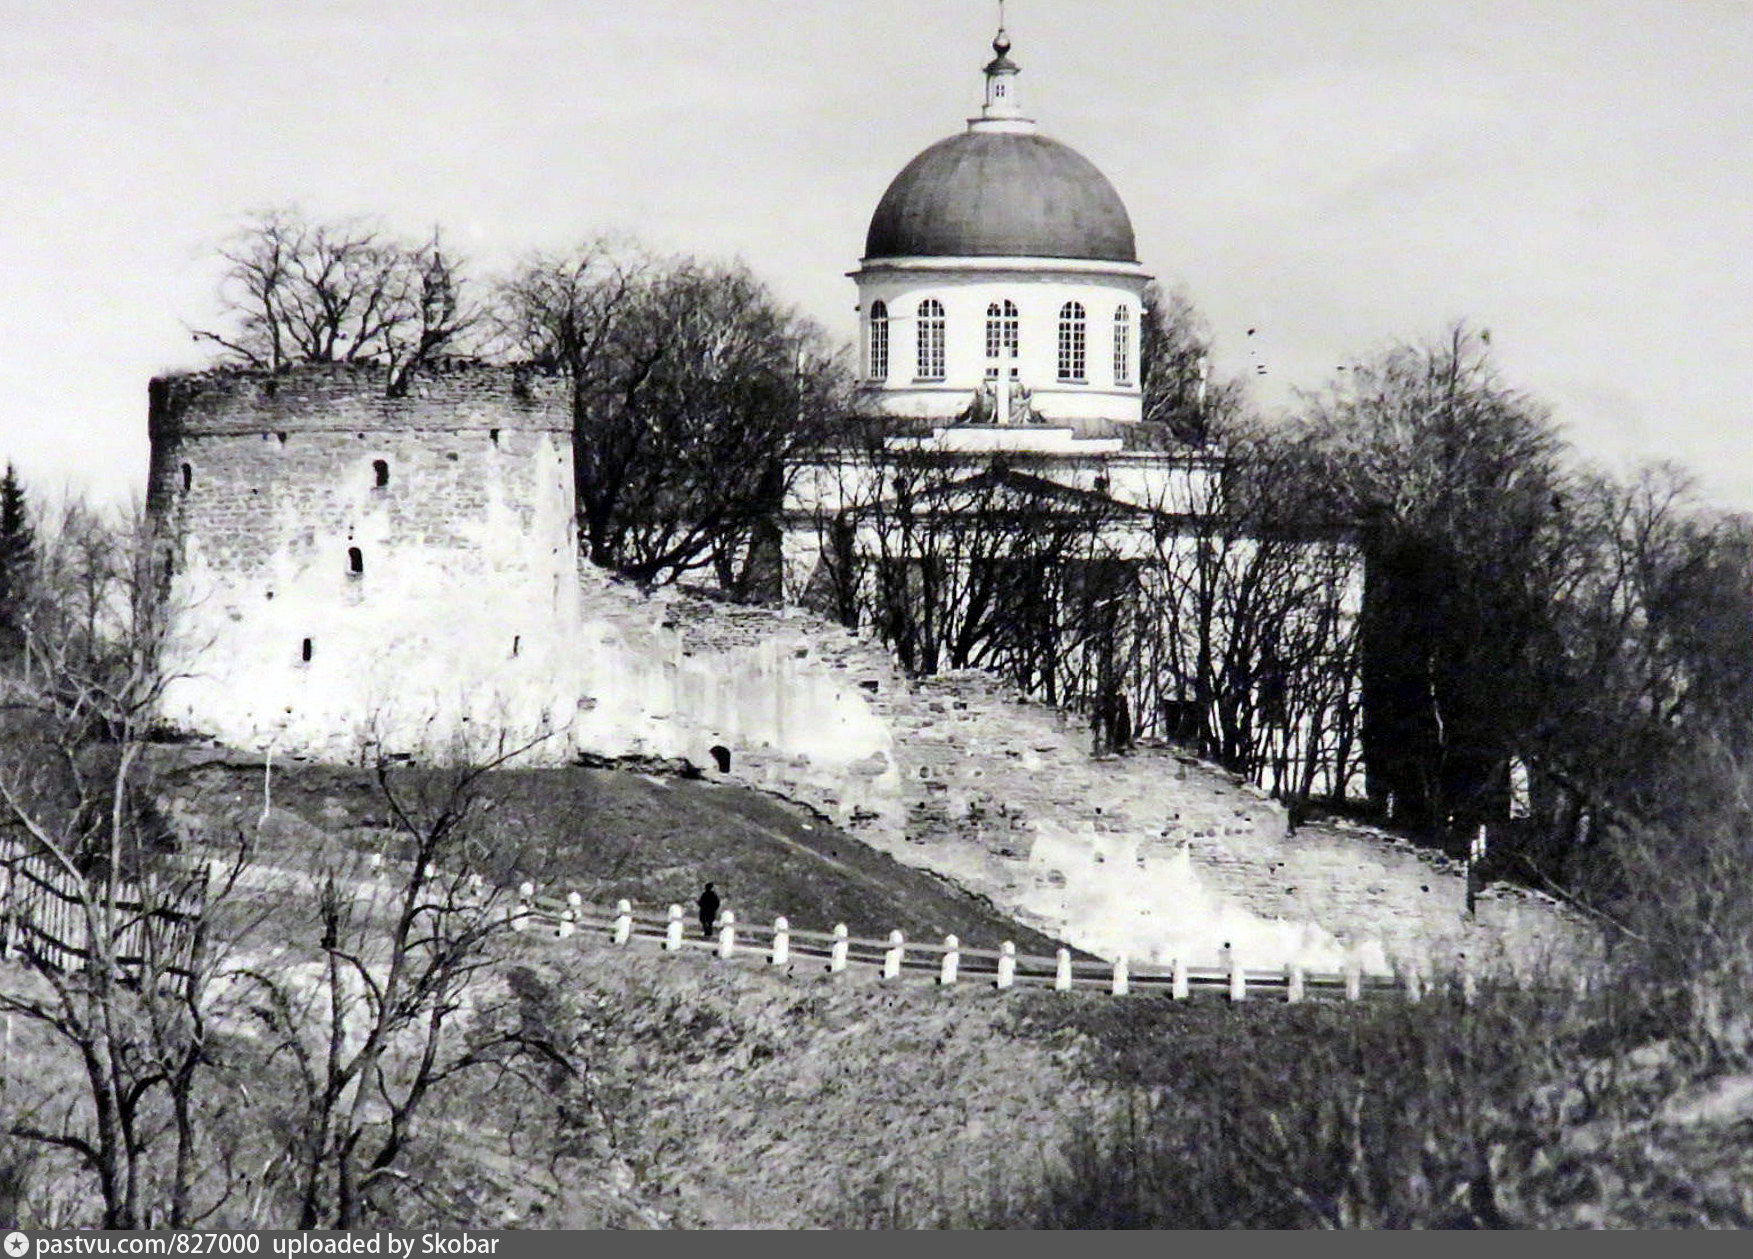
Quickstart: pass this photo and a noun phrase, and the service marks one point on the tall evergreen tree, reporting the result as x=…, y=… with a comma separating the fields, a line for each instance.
x=17, y=559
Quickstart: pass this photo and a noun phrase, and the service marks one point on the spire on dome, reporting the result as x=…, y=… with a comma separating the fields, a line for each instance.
x=1002, y=110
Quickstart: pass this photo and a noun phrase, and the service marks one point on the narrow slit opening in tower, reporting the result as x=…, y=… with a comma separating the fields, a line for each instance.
x=381, y=470
x=188, y=477
x=721, y=757
x=516, y=643
x=355, y=560
x=304, y=652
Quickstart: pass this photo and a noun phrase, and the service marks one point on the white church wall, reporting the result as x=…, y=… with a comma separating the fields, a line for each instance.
x=1039, y=293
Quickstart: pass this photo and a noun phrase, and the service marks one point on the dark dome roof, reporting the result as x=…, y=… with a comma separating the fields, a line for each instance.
x=1001, y=194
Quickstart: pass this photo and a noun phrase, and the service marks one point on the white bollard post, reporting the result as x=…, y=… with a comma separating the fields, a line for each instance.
x=569, y=919
x=1062, y=972
x=623, y=921
x=1469, y=985
x=1414, y=982
x=526, y=895
x=1353, y=980
x=892, y=958
x=781, y=941
x=727, y=935
x=672, y=932
x=837, y=958
x=1238, y=977
x=1006, y=964
x=952, y=960
x=1122, y=984
x=1179, y=988
x=1293, y=982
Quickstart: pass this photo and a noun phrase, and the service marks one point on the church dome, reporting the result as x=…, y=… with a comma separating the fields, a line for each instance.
x=1001, y=193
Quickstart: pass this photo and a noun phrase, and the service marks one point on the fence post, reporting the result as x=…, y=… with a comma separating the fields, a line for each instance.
x=8, y=906
x=526, y=893
x=952, y=959
x=1238, y=977
x=1120, y=985
x=1353, y=979
x=837, y=958
x=781, y=941
x=672, y=932
x=1062, y=972
x=1006, y=964
x=892, y=958
x=1179, y=988
x=623, y=921
x=727, y=935
x=1293, y=982
x=569, y=919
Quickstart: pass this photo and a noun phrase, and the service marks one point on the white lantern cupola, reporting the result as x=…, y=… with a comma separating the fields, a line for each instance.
x=1003, y=109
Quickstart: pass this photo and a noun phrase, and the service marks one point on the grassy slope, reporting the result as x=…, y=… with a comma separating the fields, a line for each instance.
x=608, y=834
x=731, y=1096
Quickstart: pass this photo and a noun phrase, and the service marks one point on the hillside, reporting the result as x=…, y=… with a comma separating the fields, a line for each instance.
x=682, y=1091
x=654, y=839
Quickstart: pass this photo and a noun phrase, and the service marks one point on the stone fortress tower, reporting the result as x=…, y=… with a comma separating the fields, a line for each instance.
x=350, y=571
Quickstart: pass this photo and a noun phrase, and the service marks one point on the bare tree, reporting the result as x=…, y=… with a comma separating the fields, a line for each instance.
x=1181, y=393
x=692, y=390
x=342, y=291
x=109, y=919
x=965, y=565
x=1252, y=600
x=1455, y=486
x=368, y=1023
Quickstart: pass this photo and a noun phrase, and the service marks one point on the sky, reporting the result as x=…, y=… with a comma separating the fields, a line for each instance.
x=1575, y=176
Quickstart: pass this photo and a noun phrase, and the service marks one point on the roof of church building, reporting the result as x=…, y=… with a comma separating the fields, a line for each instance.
x=1001, y=194
x=1000, y=190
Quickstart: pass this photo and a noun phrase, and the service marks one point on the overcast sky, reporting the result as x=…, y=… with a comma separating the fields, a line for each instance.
x=1574, y=175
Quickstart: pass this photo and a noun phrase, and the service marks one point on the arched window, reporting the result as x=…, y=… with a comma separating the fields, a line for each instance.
x=879, y=340
x=381, y=470
x=355, y=560
x=1071, y=342
x=931, y=352
x=1001, y=330
x=1122, y=346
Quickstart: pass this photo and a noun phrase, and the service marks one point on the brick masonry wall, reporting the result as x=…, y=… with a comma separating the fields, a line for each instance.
x=435, y=606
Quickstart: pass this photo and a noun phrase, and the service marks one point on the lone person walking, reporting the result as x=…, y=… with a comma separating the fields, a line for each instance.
x=708, y=911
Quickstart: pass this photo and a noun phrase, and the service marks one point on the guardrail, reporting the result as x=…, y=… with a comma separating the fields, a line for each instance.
x=952, y=963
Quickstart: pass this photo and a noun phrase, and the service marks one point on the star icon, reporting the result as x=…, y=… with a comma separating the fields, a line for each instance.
x=17, y=1245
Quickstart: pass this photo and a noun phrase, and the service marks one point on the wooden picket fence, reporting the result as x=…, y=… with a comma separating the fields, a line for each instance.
x=48, y=914
x=950, y=963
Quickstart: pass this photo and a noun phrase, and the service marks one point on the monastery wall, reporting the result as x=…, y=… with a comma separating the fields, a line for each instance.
x=1152, y=855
